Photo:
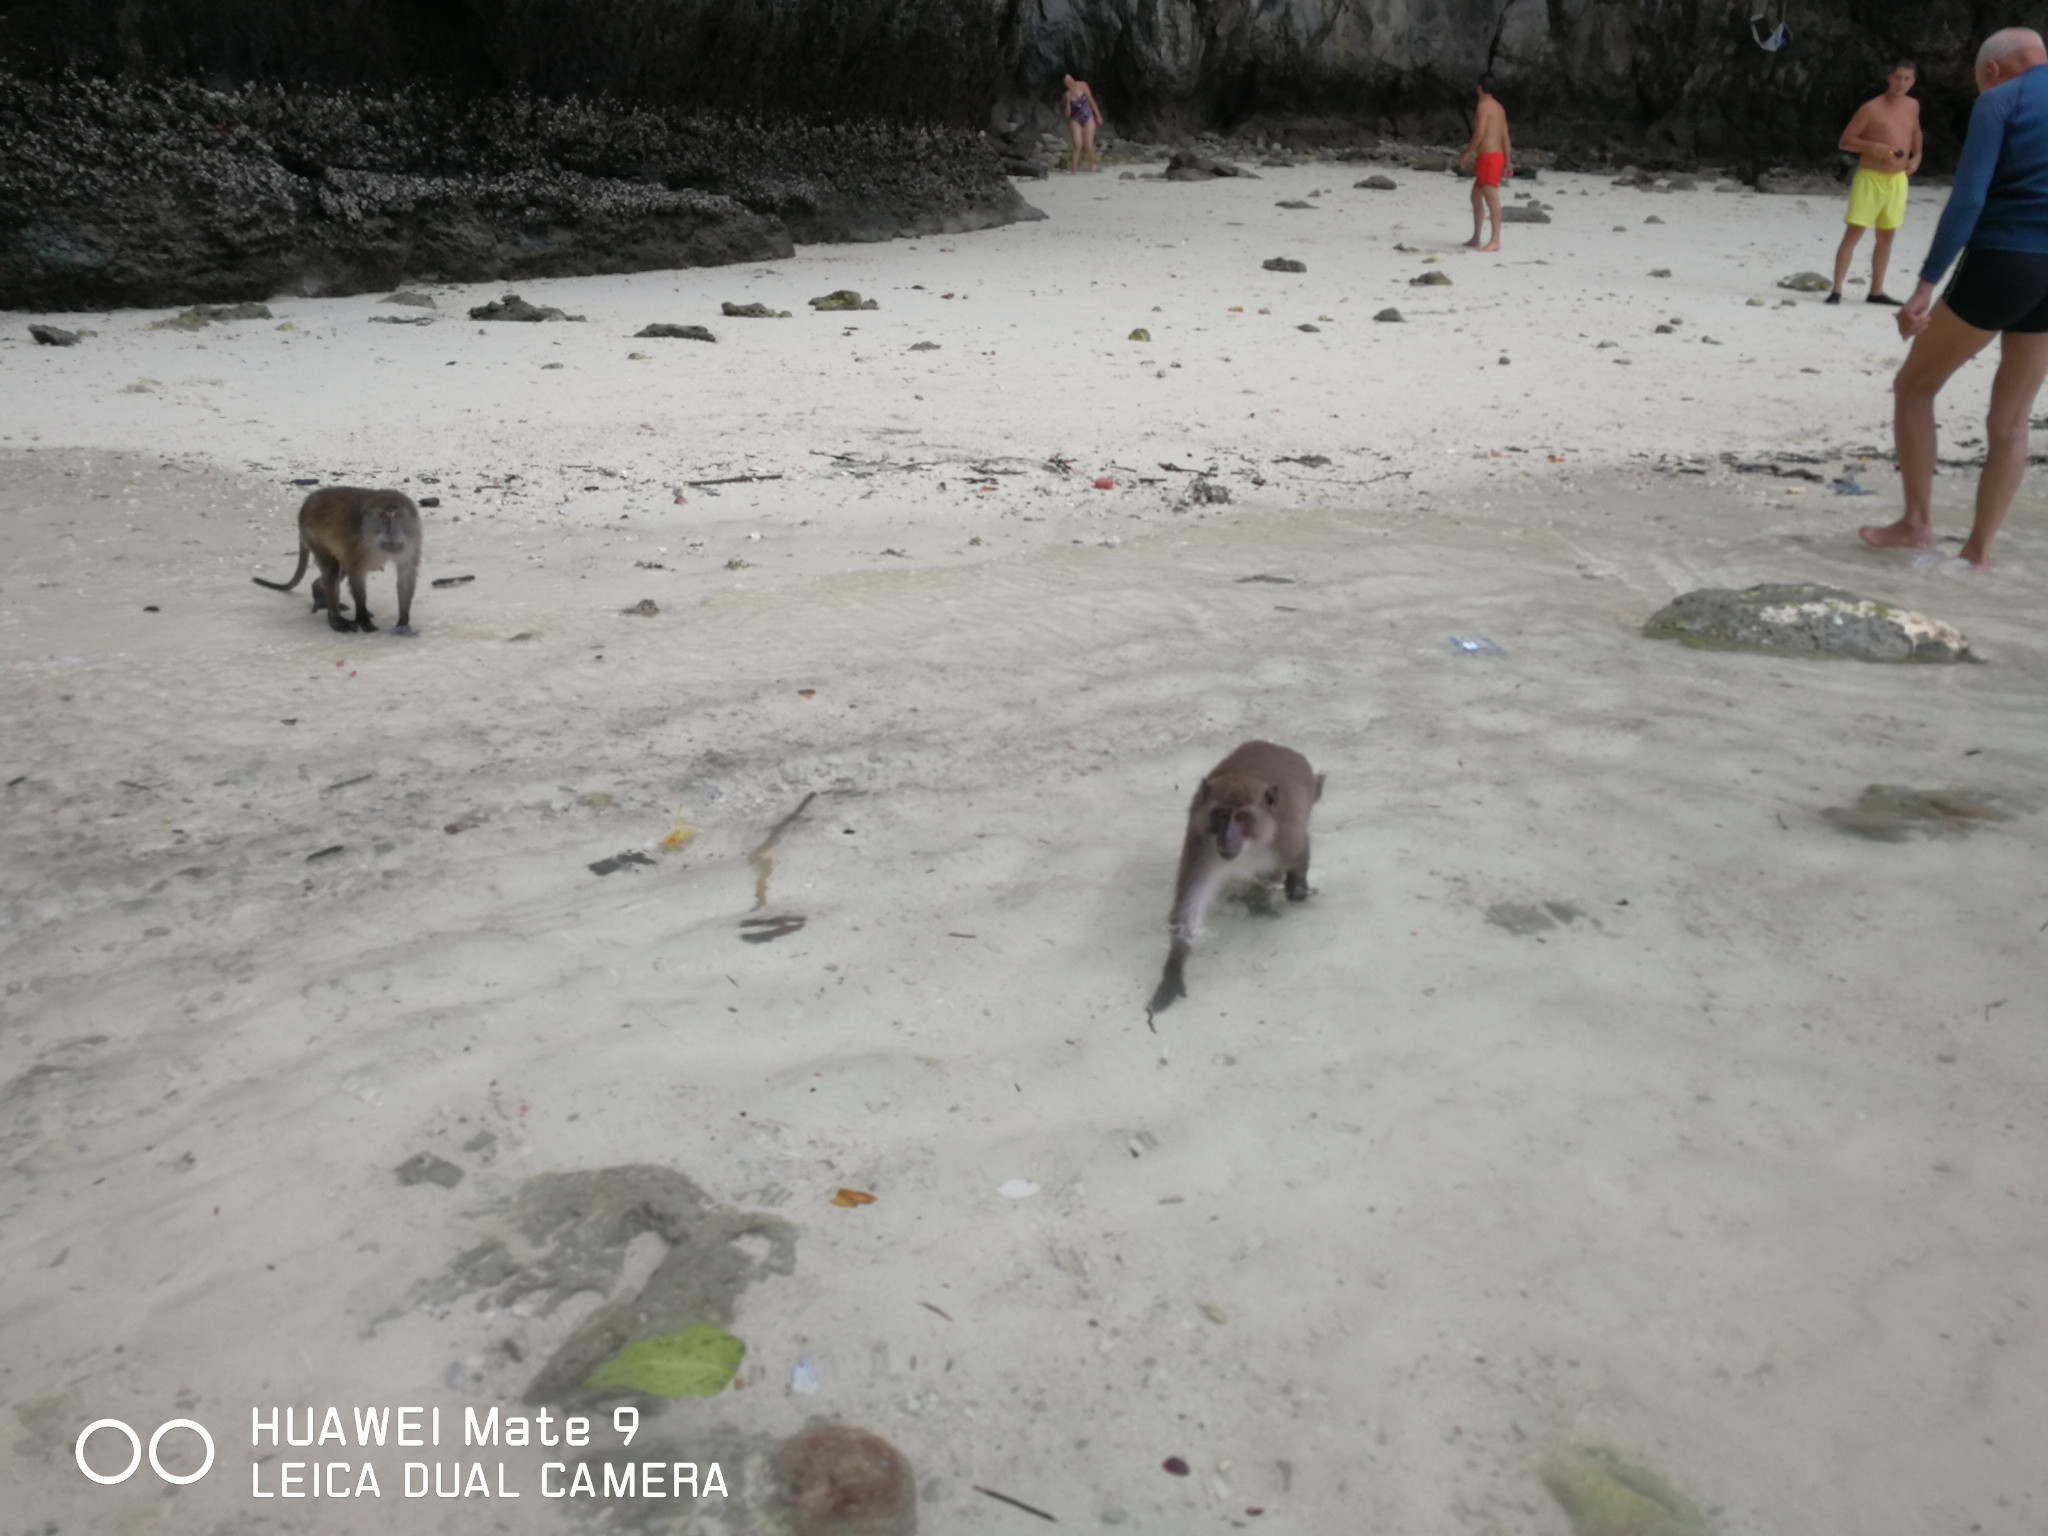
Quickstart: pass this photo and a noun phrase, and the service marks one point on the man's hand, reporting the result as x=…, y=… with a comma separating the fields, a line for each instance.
x=1913, y=314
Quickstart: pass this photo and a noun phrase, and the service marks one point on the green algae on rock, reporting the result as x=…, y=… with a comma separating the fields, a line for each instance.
x=561, y=1233
x=697, y=1361
x=843, y=298
x=1890, y=813
x=1804, y=619
x=1606, y=1496
x=1524, y=919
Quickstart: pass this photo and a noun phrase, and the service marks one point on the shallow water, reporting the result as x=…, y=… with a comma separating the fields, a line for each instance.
x=1733, y=1173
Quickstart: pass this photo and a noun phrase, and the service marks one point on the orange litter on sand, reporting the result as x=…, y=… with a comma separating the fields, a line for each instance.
x=1105, y=483
x=853, y=1197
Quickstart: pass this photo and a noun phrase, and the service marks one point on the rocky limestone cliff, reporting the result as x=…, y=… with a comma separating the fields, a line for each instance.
x=1680, y=78
x=124, y=193
x=1677, y=78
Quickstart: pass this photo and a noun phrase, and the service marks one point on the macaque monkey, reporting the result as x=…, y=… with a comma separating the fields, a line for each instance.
x=355, y=531
x=1249, y=821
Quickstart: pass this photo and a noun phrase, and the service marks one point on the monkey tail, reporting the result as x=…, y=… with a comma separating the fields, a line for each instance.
x=305, y=558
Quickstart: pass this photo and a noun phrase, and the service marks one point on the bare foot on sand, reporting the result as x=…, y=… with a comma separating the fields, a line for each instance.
x=1899, y=535
x=1473, y=242
x=1492, y=245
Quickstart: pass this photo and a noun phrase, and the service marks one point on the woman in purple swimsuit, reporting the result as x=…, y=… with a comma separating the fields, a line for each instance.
x=1084, y=114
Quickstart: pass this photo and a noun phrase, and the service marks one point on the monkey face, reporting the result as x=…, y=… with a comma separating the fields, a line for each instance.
x=385, y=525
x=1240, y=813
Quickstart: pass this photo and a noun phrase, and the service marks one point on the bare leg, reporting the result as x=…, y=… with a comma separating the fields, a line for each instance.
x=1493, y=208
x=1880, y=258
x=2022, y=362
x=1844, y=253
x=1937, y=353
x=1478, y=215
x=1088, y=143
x=1074, y=156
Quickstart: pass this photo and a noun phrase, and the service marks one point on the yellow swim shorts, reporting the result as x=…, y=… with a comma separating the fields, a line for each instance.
x=1877, y=197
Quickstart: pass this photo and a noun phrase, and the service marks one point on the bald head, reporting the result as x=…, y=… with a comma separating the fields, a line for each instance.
x=2005, y=54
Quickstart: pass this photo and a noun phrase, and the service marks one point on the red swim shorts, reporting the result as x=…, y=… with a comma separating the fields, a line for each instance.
x=1489, y=169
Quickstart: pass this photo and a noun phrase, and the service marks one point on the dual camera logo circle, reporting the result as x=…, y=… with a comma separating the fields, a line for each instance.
x=135, y=1448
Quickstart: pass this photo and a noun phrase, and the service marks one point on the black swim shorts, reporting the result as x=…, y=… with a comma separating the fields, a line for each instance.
x=2000, y=291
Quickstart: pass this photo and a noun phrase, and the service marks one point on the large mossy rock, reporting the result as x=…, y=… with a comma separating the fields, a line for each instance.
x=1802, y=619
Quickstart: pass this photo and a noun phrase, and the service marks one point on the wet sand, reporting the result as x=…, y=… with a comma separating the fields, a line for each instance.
x=1731, y=1168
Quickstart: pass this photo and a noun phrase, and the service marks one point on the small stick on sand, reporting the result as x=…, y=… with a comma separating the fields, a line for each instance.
x=1018, y=1503
x=759, y=857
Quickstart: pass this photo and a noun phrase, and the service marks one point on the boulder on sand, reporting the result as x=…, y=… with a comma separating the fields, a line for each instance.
x=1803, y=619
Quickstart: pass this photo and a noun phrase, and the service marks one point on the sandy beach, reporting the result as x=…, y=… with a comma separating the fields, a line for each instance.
x=1606, y=1093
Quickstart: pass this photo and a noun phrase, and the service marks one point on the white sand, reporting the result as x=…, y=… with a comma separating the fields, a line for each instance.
x=1738, y=1173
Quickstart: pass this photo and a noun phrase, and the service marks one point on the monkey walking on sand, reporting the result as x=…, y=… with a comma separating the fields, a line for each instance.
x=354, y=532
x=1249, y=821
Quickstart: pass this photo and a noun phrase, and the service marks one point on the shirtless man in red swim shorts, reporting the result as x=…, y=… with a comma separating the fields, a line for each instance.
x=1490, y=144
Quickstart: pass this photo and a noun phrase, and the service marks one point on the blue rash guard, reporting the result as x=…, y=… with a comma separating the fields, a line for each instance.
x=2000, y=198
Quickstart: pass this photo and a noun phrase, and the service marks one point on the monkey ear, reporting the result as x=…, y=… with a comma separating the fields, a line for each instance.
x=1205, y=790
x=1272, y=794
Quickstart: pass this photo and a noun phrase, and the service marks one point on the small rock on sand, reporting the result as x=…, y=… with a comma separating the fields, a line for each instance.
x=1375, y=184
x=1285, y=264
x=1294, y=202
x=425, y=1168
x=407, y=296
x=1431, y=280
x=1806, y=282
x=1307, y=327
x=752, y=312
x=836, y=1480
x=1141, y=334
x=53, y=336
x=1390, y=315
x=843, y=298
x=1801, y=618
x=676, y=332
x=1188, y=166
x=1523, y=213
x=513, y=307
x=205, y=314
x=1794, y=183
x=924, y=346
x=1660, y=271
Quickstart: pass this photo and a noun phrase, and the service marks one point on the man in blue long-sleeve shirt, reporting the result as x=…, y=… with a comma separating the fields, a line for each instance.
x=1997, y=216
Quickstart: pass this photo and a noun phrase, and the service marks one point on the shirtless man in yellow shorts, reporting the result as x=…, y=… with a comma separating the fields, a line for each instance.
x=1885, y=136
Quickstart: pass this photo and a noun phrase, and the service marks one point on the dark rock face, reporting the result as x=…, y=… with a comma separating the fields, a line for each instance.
x=1676, y=77
x=114, y=194
x=1662, y=80
x=940, y=60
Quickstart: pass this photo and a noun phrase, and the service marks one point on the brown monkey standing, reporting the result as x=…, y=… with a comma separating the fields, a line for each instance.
x=1249, y=821
x=352, y=531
